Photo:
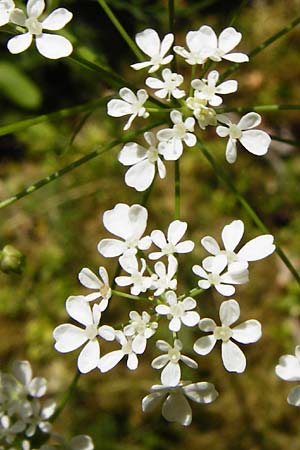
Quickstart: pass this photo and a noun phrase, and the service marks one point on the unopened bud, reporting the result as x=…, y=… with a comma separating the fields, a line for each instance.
x=11, y=260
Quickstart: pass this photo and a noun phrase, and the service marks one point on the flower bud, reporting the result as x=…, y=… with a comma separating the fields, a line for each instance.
x=11, y=260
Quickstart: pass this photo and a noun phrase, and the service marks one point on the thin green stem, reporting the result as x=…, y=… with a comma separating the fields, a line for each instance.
x=66, y=397
x=237, y=13
x=125, y=295
x=171, y=10
x=285, y=141
x=193, y=74
x=260, y=108
x=54, y=176
x=247, y=207
x=263, y=45
x=131, y=44
x=192, y=293
x=177, y=189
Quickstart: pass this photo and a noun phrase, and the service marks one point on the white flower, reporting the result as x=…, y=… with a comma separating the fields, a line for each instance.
x=178, y=312
x=148, y=41
x=207, y=89
x=197, y=53
x=39, y=415
x=176, y=408
x=171, y=245
x=81, y=442
x=211, y=276
x=70, y=337
x=256, y=249
x=140, y=282
x=6, y=7
x=171, y=373
x=169, y=86
x=164, y=277
x=131, y=104
x=110, y=360
x=140, y=328
x=49, y=45
x=35, y=387
x=88, y=279
x=247, y=332
x=204, y=115
x=9, y=431
x=171, y=138
x=128, y=223
x=143, y=161
x=255, y=141
x=288, y=369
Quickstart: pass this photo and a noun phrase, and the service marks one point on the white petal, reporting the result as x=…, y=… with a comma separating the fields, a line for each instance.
x=247, y=332
x=35, y=8
x=19, y=43
x=176, y=408
x=110, y=360
x=249, y=120
x=175, y=324
x=208, y=37
x=22, y=371
x=210, y=245
x=132, y=153
x=256, y=142
x=288, y=368
x=57, y=19
x=81, y=442
x=231, y=152
x=139, y=344
x=166, y=44
x=141, y=175
x=219, y=264
x=38, y=387
x=171, y=374
x=89, y=356
x=294, y=396
x=258, y=248
x=118, y=108
x=189, y=362
x=68, y=337
x=189, y=303
x=53, y=46
x=226, y=290
x=201, y=392
x=79, y=310
x=132, y=361
x=148, y=41
x=190, y=319
x=207, y=324
x=227, y=87
x=229, y=38
x=232, y=234
x=176, y=230
x=160, y=361
x=151, y=401
x=198, y=270
x=229, y=312
x=233, y=358
x=204, y=345
x=163, y=346
x=111, y=247
x=236, y=57
x=88, y=279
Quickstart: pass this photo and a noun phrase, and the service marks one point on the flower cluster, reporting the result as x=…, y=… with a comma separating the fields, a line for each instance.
x=152, y=274
x=49, y=45
x=23, y=415
x=196, y=104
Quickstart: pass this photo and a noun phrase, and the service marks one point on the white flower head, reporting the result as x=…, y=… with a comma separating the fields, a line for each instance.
x=70, y=337
x=208, y=90
x=171, y=244
x=8, y=430
x=51, y=46
x=171, y=138
x=171, y=373
x=148, y=41
x=131, y=105
x=35, y=387
x=168, y=86
x=6, y=7
x=136, y=278
x=288, y=369
x=39, y=417
x=110, y=360
x=255, y=141
x=140, y=328
x=205, y=116
x=254, y=250
x=101, y=286
x=247, y=332
x=165, y=276
x=128, y=223
x=196, y=53
x=176, y=407
x=178, y=311
x=211, y=275
x=143, y=161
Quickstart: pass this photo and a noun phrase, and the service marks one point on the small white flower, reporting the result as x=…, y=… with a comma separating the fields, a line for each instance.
x=35, y=387
x=9, y=431
x=171, y=245
x=197, y=53
x=140, y=328
x=70, y=337
x=148, y=41
x=207, y=89
x=128, y=223
x=89, y=280
x=140, y=282
x=256, y=249
x=81, y=442
x=288, y=369
x=171, y=373
x=143, y=161
x=255, y=141
x=171, y=138
x=131, y=104
x=169, y=86
x=246, y=333
x=178, y=312
x=204, y=115
x=110, y=360
x=49, y=45
x=175, y=407
x=164, y=277
x=6, y=7
x=39, y=417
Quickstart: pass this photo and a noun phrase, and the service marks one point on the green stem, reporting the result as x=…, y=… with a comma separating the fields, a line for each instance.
x=238, y=12
x=125, y=295
x=259, y=108
x=171, y=9
x=66, y=397
x=131, y=44
x=247, y=207
x=285, y=141
x=62, y=113
x=177, y=189
x=192, y=293
x=263, y=45
x=193, y=74
x=54, y=176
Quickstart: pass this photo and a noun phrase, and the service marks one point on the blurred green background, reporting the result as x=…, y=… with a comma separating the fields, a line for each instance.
x=59, y=226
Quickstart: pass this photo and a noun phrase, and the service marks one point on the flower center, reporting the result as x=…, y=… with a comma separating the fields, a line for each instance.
x=231, y=256
x=214, y=278
x=156, y=59
x=180, y=130
x=177, y=310
x=91, y=331
x=195, y=103
x=131, y=242
x=152, y=154
x=224, y=333
x=235, y=132
x=126, y=348
x=104, y=290
x=174, y=355
x=168, y=249
x=34, y=26
x=208, y=91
